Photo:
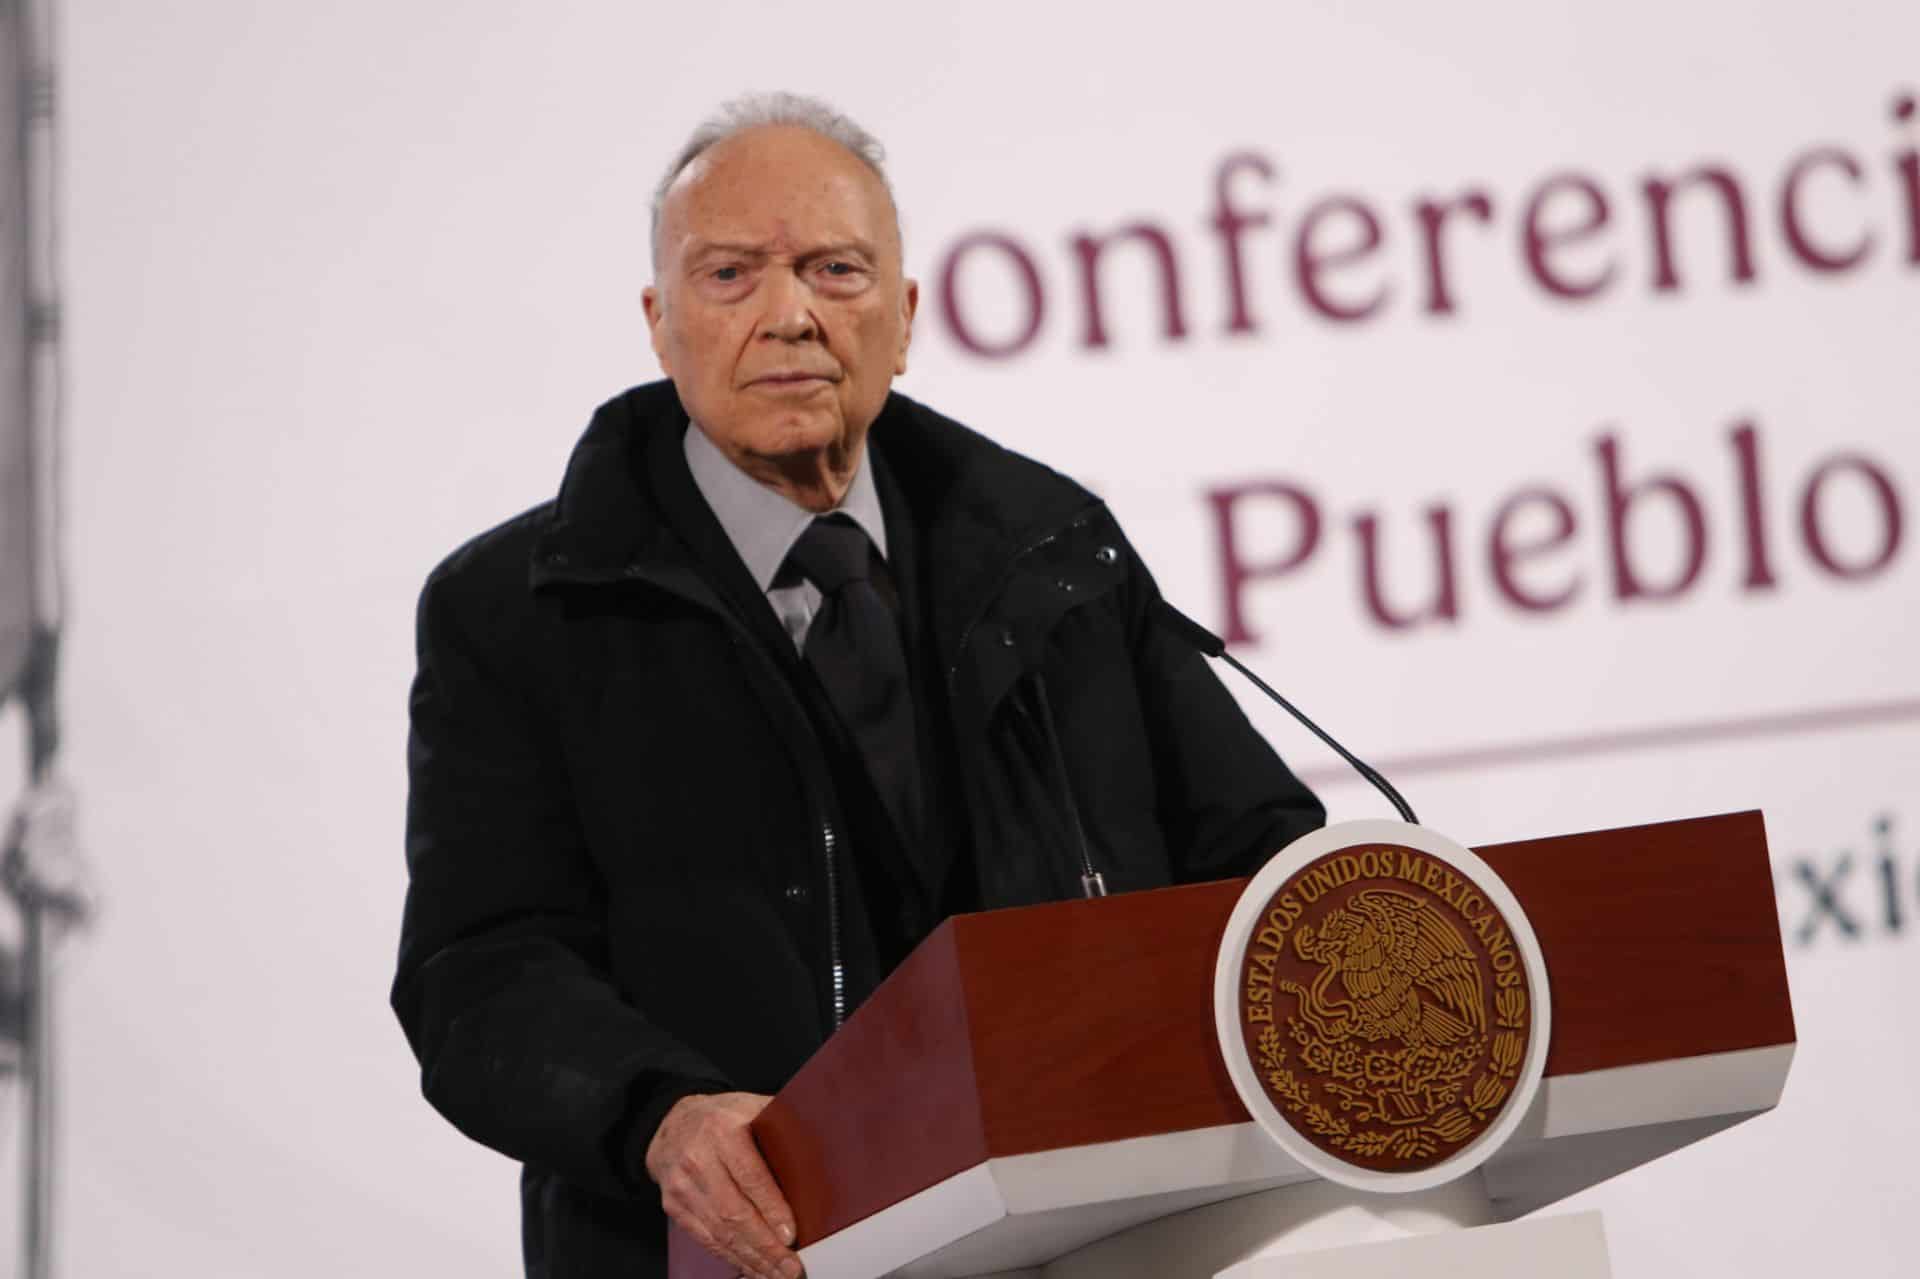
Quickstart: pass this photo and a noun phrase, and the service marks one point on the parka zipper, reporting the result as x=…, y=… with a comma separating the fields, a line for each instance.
x=828, y=846
x=822, y=806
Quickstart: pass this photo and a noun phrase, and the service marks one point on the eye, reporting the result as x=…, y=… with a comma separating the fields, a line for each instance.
x=726, y=274
x=842, y=276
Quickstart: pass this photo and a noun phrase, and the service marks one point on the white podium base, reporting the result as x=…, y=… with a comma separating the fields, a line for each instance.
x=1566, y=1247
x=1016, y=1211
x=1324, y=1231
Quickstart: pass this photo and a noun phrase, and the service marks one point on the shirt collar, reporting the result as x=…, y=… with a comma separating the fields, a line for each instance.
x=762, y=524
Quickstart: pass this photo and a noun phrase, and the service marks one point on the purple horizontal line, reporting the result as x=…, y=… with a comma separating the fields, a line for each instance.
x=1630, y=739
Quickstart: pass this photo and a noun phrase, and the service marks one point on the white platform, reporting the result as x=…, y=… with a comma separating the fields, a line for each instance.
x=1306, y=1217
x=1566, y=1247
x=1024, y=1212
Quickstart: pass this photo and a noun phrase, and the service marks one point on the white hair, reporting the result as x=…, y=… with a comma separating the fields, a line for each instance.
x=761, y=110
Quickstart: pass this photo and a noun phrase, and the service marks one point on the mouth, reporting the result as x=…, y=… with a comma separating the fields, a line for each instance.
x=793, y=380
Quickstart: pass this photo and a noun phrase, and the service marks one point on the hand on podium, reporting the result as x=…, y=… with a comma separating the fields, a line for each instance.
x=716, y=1187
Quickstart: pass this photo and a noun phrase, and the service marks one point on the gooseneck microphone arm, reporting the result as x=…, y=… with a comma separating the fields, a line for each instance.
x=1211, y=645
x=1092, y=882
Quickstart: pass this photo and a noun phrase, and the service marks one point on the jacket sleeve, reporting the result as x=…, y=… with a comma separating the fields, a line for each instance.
x=1227, y=801
x=524, y=1043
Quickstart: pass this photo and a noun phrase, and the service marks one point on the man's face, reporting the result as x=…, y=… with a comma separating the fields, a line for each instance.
x=779, y=307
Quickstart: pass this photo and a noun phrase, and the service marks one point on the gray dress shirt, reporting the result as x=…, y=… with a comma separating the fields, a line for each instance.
x=763, y=525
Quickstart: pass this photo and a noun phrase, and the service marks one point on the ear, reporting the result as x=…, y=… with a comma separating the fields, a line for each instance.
x=909, y=302
x=656, y=325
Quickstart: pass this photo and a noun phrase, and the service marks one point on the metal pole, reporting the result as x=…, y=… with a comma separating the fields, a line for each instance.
x=37, y=1238
x=41, y=909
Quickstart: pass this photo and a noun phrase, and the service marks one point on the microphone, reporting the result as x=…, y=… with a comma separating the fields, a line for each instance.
x=1210, y=645
x=1092, y=882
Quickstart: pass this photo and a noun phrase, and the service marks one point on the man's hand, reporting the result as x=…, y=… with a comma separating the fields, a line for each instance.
x=714, y=1184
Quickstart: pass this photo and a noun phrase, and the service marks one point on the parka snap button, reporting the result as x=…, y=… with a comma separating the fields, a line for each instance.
x=558, y=557
x=1106, y=555
x=1065, y=586
x=795, y=893
x=1006, y=637
x=633, y=569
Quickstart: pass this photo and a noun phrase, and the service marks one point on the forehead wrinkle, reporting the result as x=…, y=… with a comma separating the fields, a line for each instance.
x=746, y=248
x=723, y=175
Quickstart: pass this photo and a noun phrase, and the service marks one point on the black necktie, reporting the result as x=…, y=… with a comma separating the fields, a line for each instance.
x=854, y=648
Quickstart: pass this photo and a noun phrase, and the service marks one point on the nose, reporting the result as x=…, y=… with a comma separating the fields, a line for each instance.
x=789, y=309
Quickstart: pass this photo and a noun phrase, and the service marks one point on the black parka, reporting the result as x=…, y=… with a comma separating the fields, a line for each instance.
x=626, y=882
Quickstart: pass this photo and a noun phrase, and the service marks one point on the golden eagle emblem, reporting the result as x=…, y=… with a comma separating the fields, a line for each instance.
x=1408, y=974
x=1384, y=1008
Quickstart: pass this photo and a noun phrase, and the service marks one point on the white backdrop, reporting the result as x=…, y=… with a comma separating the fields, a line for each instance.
x=345, y=281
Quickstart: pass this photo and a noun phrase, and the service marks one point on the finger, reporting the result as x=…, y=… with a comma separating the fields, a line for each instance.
x=700, y=1157
x=755, y=1180
x=733, y=1219
x=718, y=1238
x=739, y=1223
x=732, y=1258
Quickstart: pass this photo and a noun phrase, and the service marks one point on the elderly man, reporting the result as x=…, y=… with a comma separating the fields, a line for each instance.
x=791, y=669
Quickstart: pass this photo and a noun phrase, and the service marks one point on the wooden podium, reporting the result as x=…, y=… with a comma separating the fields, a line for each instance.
x=1034, y=1081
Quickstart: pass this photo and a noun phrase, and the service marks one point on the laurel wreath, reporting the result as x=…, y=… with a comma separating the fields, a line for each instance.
x=1417, y=1141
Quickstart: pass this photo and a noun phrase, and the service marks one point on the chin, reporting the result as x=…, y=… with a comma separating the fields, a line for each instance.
x=796, y=433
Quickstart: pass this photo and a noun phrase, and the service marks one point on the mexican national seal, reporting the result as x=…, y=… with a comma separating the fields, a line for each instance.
x=1386, y=1002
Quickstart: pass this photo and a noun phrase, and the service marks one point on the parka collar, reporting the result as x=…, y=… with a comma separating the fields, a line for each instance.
x=980, y=505
x=606, y=524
